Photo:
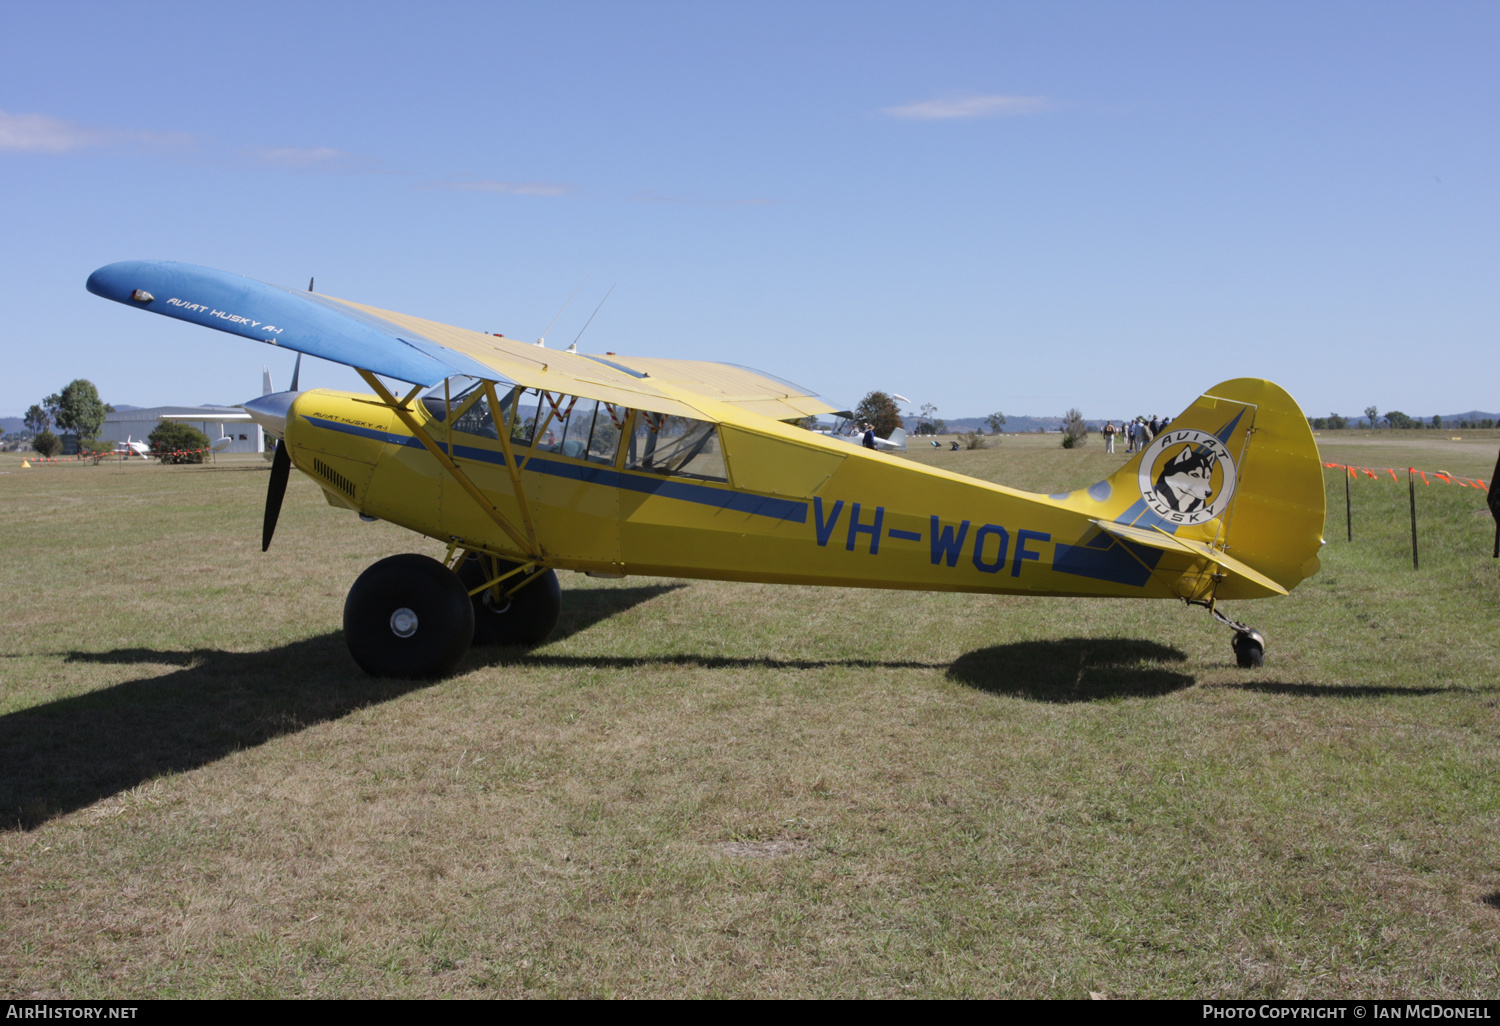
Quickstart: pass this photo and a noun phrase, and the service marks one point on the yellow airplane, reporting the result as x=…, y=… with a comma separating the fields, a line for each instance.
x=525, y=461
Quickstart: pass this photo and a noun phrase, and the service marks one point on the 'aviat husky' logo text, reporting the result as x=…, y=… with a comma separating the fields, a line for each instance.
x=1187, y=476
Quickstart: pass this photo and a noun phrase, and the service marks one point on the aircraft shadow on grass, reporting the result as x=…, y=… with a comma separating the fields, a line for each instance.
x=62, y=756
x=1073, y=669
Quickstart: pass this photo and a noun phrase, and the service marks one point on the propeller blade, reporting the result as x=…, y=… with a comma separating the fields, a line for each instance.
x=281, y=469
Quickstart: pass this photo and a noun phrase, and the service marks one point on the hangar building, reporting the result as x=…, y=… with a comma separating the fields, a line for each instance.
x=138, y=424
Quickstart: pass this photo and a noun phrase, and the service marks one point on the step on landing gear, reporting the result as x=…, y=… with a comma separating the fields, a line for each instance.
x=1248, y=643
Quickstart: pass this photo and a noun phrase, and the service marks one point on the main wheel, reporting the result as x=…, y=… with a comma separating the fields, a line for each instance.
x=408, y=616
x=1249, y=649
x=525, y=618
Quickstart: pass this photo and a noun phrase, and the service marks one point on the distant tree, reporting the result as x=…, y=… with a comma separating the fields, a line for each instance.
x=928, y=422
x=810, y=422
x=46, y=443
x=1399, y=420
x=80, y=411
x=1437, y=421
x=1075, y=431
x=879, y=409
x=1336, y=423
x=172, y=442
x=924, y=420
x=1372, y=415
x=996, y=421
x=1317, y=423
x=38, y=419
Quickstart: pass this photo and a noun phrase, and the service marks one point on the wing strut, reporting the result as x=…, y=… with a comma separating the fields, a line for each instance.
x=458, y=475
x=502, y=431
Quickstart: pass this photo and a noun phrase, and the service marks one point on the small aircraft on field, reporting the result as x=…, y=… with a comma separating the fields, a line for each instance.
x=130, y=447
x=525, y=461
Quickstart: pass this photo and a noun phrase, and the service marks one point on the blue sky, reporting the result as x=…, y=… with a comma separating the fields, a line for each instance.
x=985, y=206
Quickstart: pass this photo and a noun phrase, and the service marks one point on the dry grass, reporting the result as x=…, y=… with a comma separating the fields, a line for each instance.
x=712, y=789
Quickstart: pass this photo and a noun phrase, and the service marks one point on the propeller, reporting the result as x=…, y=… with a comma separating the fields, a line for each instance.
x=281, y=470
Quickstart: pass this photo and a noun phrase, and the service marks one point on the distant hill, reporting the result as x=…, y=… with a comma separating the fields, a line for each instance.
x=1014, y=425
x=9, y=424
x=1027, y=424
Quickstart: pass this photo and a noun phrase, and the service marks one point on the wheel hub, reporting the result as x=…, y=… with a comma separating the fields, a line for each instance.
x=403, y=623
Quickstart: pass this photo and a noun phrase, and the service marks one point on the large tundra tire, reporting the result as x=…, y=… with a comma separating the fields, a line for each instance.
x=408, y=616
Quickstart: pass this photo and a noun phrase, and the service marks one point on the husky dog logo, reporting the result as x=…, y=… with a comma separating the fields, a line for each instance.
x=1187, y=477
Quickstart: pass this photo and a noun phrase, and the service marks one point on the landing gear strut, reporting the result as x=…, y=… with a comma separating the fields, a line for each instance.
x=525, y=616
x=1248, y=643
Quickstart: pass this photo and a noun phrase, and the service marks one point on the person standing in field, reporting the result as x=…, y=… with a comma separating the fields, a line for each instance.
x=1109, y=436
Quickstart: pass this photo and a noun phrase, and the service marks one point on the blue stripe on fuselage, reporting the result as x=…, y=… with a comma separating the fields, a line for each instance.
x=1107, y=558
x=723, y=498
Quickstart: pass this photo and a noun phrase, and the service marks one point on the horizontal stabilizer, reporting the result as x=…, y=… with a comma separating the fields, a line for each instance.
x=1156, y=538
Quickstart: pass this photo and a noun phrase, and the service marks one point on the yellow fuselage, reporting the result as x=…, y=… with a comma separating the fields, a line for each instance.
x=800, y=508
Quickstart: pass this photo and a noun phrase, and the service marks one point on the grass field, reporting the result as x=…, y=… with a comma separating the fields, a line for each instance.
x=705, y=789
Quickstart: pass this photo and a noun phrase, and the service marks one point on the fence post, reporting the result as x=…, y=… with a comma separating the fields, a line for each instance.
x=1349, y=512
x=1411, y=484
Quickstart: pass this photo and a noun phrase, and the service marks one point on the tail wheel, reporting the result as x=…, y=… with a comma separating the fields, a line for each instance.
x=524, y=618
x=1249, y=649
x=408, y=616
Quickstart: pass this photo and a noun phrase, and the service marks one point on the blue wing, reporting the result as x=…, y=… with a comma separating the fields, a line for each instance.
x=299, y=321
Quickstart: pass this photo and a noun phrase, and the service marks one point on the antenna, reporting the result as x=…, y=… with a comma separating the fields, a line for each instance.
x=574, y=347
x=309, y=284
x=543, y=340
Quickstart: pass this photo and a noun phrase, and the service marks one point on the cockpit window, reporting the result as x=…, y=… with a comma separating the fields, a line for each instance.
x=676, y=447
x=477, y=419
x=564, y=424
x=451, y=394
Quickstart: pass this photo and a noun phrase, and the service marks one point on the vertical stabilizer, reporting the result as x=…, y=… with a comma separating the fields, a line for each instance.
x=1237, y=471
